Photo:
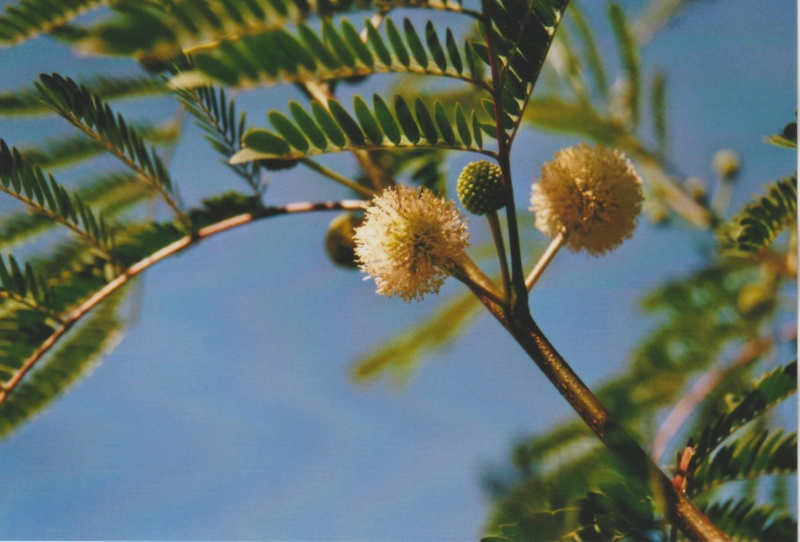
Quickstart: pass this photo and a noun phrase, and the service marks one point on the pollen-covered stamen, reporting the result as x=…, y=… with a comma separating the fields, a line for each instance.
x=593, y=196
x=409, y=241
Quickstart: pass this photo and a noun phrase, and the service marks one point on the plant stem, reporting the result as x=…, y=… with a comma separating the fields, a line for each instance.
x=680, y=511
x=497, y=235
x=322, y=170
x=544, y=260
x=519, y=294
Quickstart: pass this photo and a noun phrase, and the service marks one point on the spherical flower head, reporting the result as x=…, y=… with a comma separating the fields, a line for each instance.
x=591, y=195
x=409, y=241
x=480, y=187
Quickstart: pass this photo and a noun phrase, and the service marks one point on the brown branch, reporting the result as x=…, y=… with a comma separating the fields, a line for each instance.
x=71, y=318
x=679, y=509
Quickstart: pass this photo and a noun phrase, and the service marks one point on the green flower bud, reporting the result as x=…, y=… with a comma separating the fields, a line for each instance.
x=480, y=187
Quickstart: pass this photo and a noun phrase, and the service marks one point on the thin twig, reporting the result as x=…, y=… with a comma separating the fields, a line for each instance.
x=71, y=318
x=748, y=353
x=544, y=260
x=341, y=179
x=500, y=247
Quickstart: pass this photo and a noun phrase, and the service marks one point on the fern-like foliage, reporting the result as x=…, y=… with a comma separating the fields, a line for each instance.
x=27, y=101
x=87, y=112
x=184, y=25
x=215, y=114
x=770, y=390
x=21, y=285
x=522, y=32
x=334, y=53
x=28, y=18
x=744, y=520
x=74, y=357
x=760, y=222
x=43, y=195
x=331, y=128
x=754, y=454
x=109, y=195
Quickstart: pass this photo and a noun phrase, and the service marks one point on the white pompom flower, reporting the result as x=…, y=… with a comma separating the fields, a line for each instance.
x=410, y=241
x=591, y=195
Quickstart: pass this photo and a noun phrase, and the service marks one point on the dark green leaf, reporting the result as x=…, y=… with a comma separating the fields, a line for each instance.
x=265, y=141
x=452, y=51
x=346, y=122
x=377, y=44
x=328, y=124
x=463, y=126
x=335, y=41
x=397, y=43
x=434, y=46
x=288, y=131
x=406, y=119
x=425, y=122
x=414, y=43
x=476, y=130
x=354, y=40
x=317, y=47
x=308, y=126
x=386, y=120
x=444, y=124
x=367, y=121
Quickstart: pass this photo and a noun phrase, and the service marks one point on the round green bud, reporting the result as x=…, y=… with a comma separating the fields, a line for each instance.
x=480, y=187
x=339, y=242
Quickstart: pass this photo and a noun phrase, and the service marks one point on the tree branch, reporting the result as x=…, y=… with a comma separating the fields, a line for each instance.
x=71, y=318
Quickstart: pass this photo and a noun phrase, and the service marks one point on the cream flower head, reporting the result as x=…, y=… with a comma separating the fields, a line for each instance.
x=409, y=241
x=591, y=195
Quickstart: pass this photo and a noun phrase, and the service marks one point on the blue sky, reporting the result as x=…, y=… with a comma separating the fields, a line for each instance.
x=227, y=411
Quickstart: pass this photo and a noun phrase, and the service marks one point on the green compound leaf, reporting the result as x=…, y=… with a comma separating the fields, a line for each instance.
x=771, y=389
x=400, y=356
x=336, y=129
x=75, y=357
x=746, y=457
x=760, y=222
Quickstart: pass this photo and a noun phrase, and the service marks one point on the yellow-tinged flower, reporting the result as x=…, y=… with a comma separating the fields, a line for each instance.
x=409, y=241
x=591, y=195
